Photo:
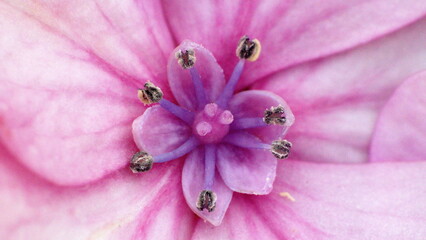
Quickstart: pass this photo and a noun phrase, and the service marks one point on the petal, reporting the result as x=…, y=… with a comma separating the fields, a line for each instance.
x=128, y=37
x=123, y=206
x=64, y=113
x=291, y=32
x=331, y=202
x=192, y=184
x=158, y=131
x=180, y=80
x=249, y=171
x=400, y=132
x=336, y=100
x=253, y=103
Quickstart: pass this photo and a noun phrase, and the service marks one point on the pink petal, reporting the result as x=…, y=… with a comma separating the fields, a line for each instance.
x=249, y=171
x=192, y=184
x=123, y=206
x=337, y=100
x=158, y=131
x=291, y=32
x=253, y=103
x=68, y=93
x=400, y=132
x=130, y=38
x=180, y=79
x=331, y=202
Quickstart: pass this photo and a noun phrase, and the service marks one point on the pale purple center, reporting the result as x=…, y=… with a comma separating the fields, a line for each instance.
x=212, y=123
x=226, y=131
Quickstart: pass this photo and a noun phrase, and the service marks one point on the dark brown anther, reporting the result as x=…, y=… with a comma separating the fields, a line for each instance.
x=248, y=49
x=141, y=162
x=150, y=94
x=275, y=115
x=206, y=200
x=281, y=148
x=186, y=58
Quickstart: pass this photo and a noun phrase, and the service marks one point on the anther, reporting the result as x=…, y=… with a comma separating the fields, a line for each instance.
x=206, y=200
x=150, y=94
x=281, y=148
x=275, y=115
x=141, y=162
x=186, y=58
x=248, y=49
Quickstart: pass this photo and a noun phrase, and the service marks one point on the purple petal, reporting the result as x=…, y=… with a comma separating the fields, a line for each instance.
x=246, y=170
x=326, y=201
x=337, y=100
x=158, y=131
x=180, y=80
x=400, y=133
x=192, y=184
x=253, y=103
x=291, y=32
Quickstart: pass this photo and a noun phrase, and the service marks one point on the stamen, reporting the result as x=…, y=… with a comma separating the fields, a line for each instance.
x=206, y=200
x=248, y=49
x=209, y=166
x=281, y=148
x=227, y=93
x=245, y=140
x=275, y=115
x=186, y=58
x=185, y=148
x=245, y=123
x=179, y=112
x=141, y=162
x=150, y=94
x=198, y=86
x=153, y=94
x=226, y=117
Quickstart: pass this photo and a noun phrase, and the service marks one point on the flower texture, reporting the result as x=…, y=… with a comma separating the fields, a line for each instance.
x=217, y=129
x=353, y=73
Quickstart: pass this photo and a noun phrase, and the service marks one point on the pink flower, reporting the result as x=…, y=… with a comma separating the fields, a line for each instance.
x=350, y=71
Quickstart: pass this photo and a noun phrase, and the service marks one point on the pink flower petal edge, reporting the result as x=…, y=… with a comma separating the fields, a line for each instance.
x=291, y=32
x=337, y=99
x=401, y=129
x=329, y=201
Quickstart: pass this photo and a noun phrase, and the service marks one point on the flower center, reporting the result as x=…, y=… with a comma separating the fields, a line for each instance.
x=212, y=123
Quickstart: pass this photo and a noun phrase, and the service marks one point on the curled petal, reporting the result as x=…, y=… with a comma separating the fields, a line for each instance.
x=400, y=132
x=337, y=99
